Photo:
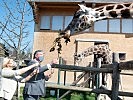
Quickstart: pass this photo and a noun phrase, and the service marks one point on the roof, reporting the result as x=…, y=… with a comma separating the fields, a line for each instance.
x=96, y=1
x=40, y=4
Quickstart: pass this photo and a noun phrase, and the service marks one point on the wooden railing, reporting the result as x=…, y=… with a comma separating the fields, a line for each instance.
x=113, y=69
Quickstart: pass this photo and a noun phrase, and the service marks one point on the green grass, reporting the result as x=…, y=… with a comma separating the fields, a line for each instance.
x=72, y=96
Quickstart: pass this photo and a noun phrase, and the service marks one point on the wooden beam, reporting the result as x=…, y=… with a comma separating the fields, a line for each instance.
x=80, y=68
x=104, y=68
x=75, y=88
x=128, y=65
x=99, y=91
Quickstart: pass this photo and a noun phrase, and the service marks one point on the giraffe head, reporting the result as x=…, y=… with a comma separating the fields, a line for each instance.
x=82, y=20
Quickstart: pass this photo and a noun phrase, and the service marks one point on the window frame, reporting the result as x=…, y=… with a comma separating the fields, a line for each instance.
x=92, y=29
x=41, y=25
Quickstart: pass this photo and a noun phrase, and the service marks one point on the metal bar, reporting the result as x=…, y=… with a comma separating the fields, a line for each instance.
x=58, y=90
x=76, y=50
x=98, y=77
x=91, y=40
x=64, y=77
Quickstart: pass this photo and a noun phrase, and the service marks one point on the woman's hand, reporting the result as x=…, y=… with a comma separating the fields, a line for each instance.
x=54, y=61
x=52, y=70
x=35, y=71
x=36, y=64
x=49, y=72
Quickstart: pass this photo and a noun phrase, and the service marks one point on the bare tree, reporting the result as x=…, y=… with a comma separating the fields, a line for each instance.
x=15, y=25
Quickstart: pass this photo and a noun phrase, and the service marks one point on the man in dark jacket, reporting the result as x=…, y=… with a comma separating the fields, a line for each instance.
x=35, y=87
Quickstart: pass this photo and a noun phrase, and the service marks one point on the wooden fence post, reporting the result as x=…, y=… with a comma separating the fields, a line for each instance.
x=115, y=77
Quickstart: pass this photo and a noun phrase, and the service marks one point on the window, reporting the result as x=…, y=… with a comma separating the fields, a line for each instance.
x=67, y=20
x=100, y=26
x=111, y=25
x=57, y=22
x=122, y=56
x=114, y=25
x=45, y=22
x=127, y=25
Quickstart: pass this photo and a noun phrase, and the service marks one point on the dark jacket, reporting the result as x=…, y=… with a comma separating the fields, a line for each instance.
x=36, y=85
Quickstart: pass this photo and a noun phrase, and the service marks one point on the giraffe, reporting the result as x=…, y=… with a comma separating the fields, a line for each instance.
x=85, y=17
x=102, y=50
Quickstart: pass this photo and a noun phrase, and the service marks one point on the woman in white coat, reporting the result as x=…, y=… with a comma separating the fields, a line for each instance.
x=10, y=77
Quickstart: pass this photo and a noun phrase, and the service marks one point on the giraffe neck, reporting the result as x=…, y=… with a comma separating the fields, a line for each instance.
x=100, y=49
x=124, y=10
x=85, y=17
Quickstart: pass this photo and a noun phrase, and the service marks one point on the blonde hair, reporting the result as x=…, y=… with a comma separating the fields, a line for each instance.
x=5, y=62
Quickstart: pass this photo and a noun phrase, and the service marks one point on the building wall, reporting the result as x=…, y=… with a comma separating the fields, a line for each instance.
x=117, y=43
x=44, y=40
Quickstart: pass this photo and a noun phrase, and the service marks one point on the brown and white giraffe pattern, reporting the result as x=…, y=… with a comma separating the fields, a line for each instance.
x=123, y=10
x=85, y=16
x=102, y=50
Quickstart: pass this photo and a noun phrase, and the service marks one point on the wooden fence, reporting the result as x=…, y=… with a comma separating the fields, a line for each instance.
x=113, y=68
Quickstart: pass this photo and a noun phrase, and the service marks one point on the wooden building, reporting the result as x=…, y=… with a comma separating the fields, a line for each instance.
x=52, y=15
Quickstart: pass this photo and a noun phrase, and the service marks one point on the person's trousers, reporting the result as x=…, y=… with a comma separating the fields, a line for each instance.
x=30, y=97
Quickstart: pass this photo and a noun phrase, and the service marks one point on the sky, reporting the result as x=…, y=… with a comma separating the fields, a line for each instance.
x=13, y=7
